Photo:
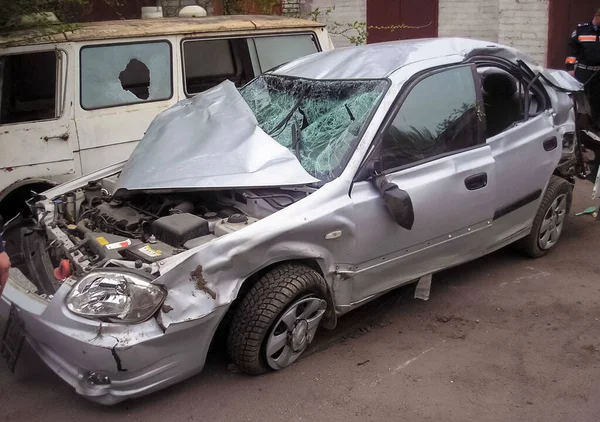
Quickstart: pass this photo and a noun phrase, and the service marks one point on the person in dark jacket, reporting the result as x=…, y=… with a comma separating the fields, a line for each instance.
x=4, y=260
x=4, y=266
x=583, y=61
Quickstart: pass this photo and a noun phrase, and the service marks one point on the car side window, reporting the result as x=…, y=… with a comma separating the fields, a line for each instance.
x=438, y=116
x=123, y=74
x=505, y=100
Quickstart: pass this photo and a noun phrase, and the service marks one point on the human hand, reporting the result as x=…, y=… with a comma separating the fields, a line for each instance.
x=4, y=267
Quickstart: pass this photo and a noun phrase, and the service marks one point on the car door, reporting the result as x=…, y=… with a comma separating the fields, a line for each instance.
x=433, y=148
x=526, y=153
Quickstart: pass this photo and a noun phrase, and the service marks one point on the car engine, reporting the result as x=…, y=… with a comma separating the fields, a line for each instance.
x=90, y=228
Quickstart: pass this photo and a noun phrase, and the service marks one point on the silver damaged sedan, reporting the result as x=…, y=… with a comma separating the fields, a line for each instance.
x=267, y=212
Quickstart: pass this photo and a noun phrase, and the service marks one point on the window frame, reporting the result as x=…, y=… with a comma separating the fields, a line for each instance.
x=88, y=46
x=520, y=76
x=60, y=89
x=312, y=34
x=368, y=169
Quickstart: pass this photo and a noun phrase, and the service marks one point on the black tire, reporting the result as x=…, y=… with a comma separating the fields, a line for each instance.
x=262, y=306
x=530, y=244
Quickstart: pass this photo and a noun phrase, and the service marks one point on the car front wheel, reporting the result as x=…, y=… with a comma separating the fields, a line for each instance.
x=549, y=220
x=278, y=318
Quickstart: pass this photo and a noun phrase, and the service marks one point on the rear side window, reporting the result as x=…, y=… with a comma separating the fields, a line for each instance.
x=122, y=74
x=207, y=63
x=438, y=116
x=274, y=51
x=28, y=87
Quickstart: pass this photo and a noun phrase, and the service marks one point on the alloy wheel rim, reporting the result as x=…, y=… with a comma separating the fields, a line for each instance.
x=294, y=331
x=553, y=222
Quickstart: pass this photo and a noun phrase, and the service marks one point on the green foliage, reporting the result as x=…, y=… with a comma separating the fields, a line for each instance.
x=266, y=6
x=355, y=32
x=13, y=10
x=231, y=7
x=235, y=7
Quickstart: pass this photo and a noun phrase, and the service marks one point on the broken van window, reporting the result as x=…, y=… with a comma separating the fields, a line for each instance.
x=319, y=121
x=121, y=74
x=136, y=79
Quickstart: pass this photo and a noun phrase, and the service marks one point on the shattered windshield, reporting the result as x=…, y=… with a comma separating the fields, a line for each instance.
x=319, y=121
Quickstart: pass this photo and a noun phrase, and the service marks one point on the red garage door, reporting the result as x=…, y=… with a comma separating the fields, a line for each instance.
x=422, y=14
x=564, y=17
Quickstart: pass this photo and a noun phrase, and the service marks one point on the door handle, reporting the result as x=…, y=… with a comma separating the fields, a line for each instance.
x=64, y=137
x=550, y=144
x=477, y=181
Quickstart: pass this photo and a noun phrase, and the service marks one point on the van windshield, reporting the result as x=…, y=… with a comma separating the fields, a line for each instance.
x=320, y=121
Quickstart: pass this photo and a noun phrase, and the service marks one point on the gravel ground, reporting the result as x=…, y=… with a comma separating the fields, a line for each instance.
x=502, y=338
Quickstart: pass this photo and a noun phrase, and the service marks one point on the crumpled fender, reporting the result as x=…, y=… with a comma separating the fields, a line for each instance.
x=210, y=276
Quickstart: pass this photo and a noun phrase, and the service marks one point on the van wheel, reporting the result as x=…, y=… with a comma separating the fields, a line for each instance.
x=278, y=318
x=549, y=220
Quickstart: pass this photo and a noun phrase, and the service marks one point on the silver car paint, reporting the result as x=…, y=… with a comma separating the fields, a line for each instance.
x=173, y=346
x=211, y=140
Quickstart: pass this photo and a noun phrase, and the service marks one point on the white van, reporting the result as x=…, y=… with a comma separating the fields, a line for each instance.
x=77, y=101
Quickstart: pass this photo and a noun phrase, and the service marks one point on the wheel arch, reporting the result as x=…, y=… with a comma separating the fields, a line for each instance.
x=317, y=264
x=13, y=197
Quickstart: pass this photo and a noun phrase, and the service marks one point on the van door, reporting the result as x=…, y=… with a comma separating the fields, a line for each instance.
x=122, y=87
x=37, y=133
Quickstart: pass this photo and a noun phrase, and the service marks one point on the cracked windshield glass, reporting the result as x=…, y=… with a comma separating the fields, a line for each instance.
x=320, y=121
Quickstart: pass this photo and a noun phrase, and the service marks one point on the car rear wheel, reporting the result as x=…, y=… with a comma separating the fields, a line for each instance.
x=549, y=220
x=278, y=318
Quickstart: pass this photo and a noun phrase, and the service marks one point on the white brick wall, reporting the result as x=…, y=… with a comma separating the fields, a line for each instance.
x=523, y=24
x=290, y=7
x=469, y=18
x=519, y=23
x=346, y=11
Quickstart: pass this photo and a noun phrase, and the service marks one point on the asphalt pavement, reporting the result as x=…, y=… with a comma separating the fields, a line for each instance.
x=501, y=338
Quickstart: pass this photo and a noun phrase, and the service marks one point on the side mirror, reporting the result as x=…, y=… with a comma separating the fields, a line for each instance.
x=397, y=202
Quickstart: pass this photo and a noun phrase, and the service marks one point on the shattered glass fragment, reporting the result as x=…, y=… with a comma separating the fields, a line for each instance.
x=319, y=121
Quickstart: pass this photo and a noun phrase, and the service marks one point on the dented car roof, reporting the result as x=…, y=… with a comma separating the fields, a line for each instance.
x=380, y=60
x=150, y=27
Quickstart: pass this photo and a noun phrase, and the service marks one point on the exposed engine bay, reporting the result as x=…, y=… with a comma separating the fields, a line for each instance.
x=89, y=228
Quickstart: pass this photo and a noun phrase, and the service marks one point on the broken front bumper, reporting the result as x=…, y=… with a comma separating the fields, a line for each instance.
x=108, y=363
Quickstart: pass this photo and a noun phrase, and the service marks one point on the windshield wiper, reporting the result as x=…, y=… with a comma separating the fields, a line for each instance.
x=349, y=112
x=288, y=116
x=297, y=133
x=296, y=139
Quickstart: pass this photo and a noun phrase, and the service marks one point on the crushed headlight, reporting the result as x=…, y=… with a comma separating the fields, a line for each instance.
x=115, y=297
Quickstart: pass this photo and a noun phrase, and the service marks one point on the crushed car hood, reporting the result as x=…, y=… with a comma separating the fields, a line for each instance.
x=208, y=141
